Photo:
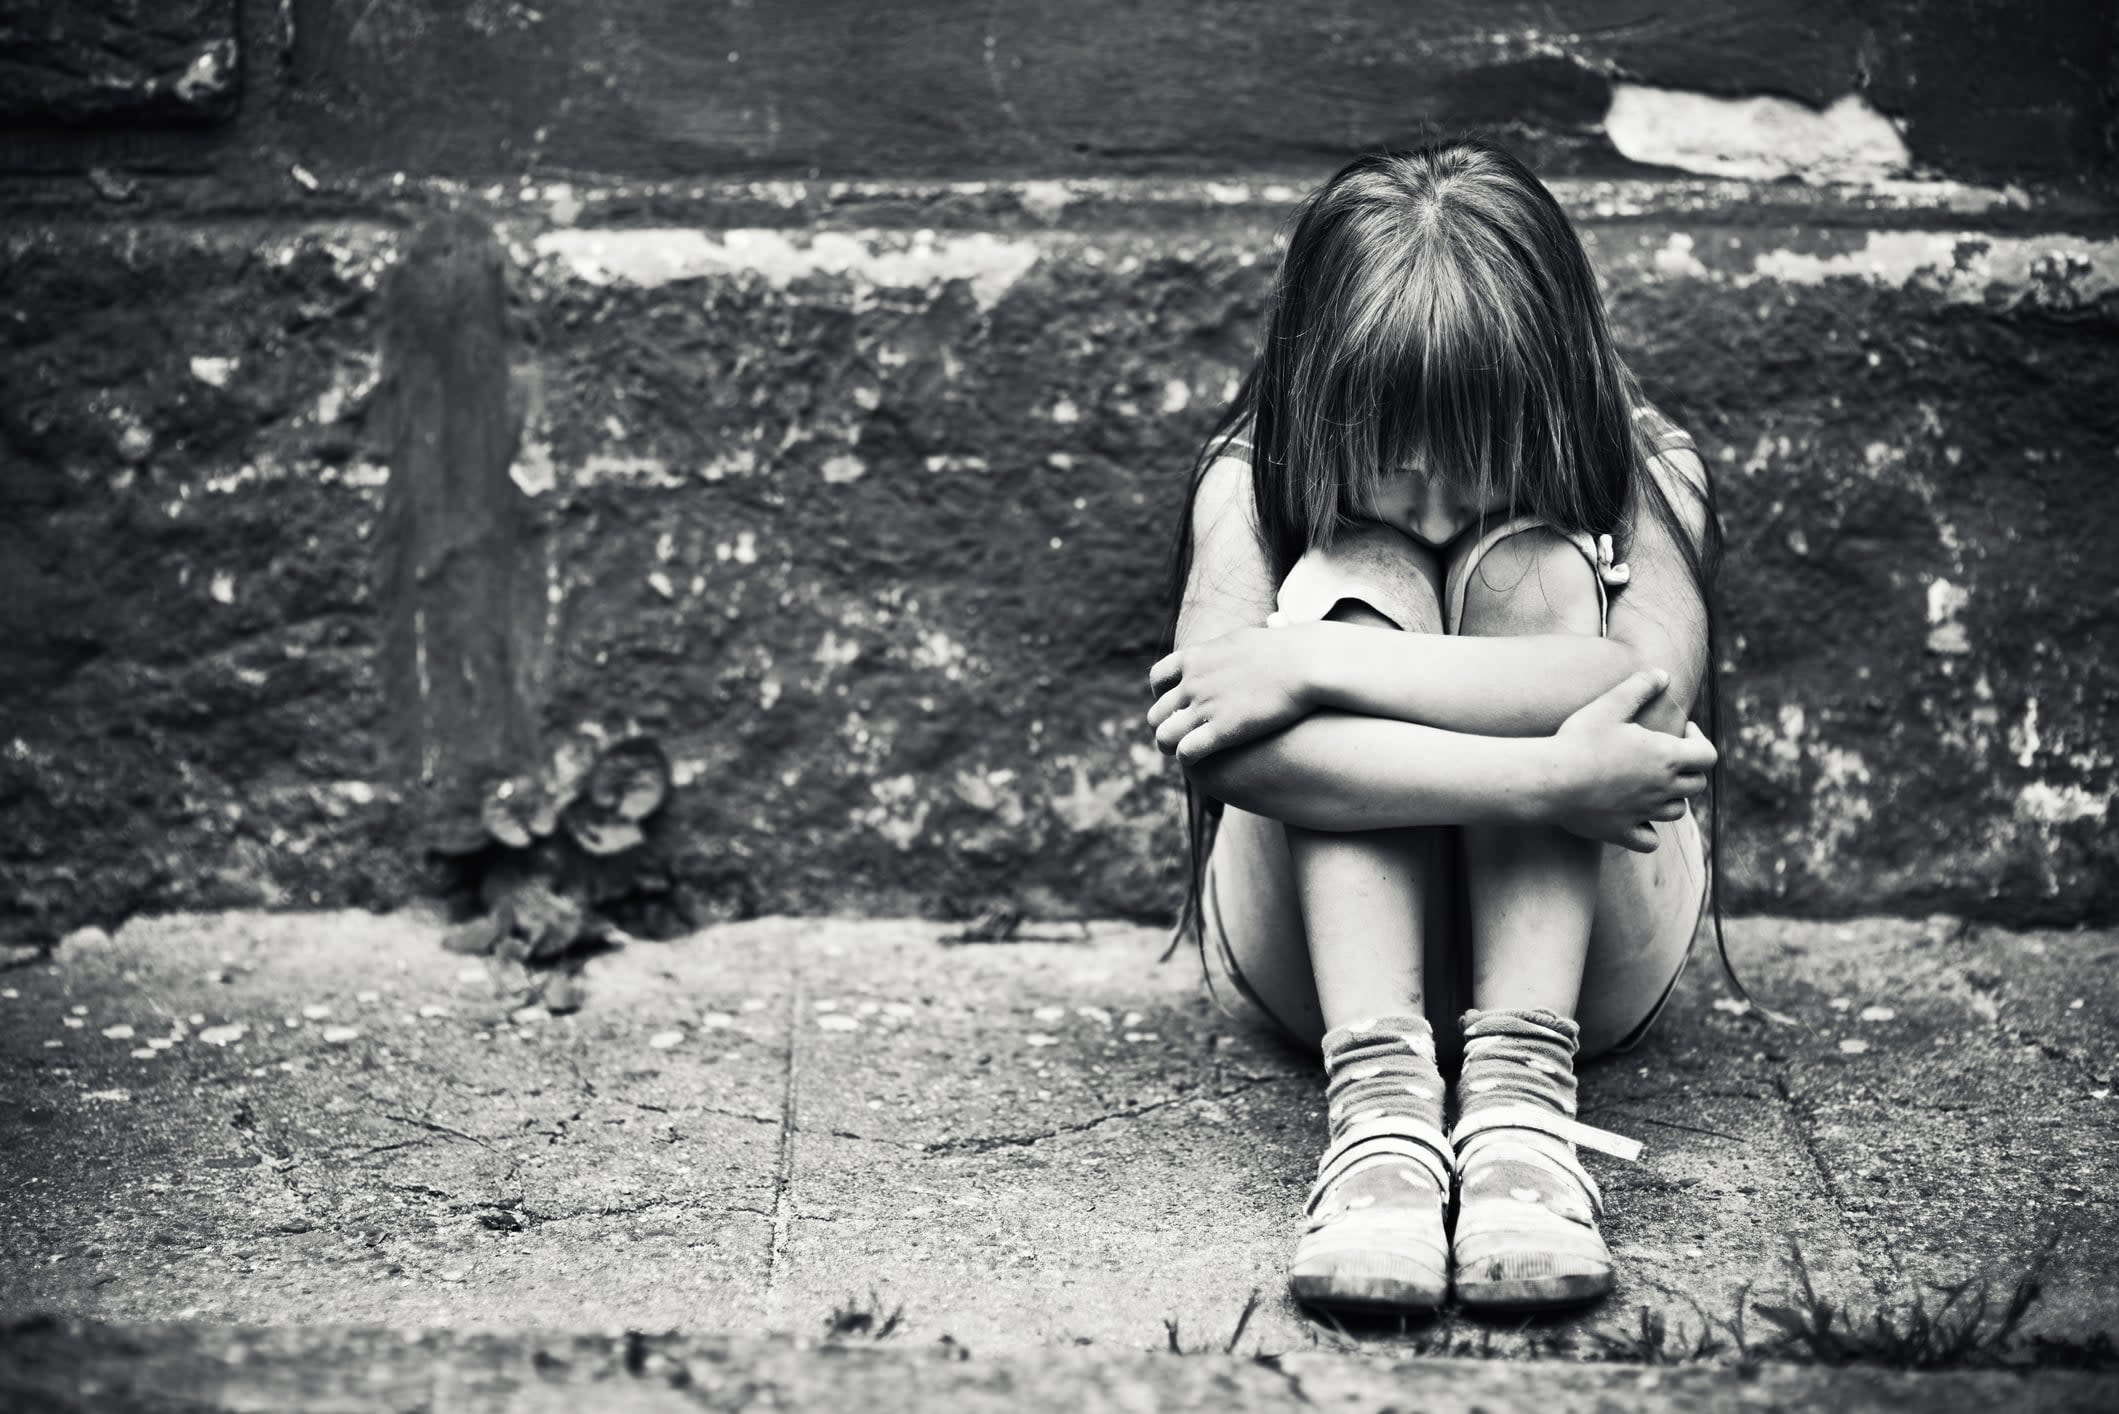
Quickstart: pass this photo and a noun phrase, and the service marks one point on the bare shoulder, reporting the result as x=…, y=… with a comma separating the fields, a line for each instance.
x=1663, y=609
x=1224, y=491
x=1230, y=583
x=1682, y=475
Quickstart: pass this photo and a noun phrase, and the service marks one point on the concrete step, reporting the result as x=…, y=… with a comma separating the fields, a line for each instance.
x=258, y=1118
x=60, y=1367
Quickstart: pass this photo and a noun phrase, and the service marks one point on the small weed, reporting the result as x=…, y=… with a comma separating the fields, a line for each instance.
x=851, y=1318
x=1953, y=1326
x=1961, y=1325
x=1657, y=1341
x=1227, y=1347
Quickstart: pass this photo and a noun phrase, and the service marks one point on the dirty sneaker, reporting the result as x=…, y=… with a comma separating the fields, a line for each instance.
x=1374, y=1239
x=1526, y=1233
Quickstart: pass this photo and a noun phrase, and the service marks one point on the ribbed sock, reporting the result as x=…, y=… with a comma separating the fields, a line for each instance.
x=1375, y=1069
x=1520, y=1058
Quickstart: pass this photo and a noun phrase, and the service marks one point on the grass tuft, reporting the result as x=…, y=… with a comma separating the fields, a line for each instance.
x=1954, y=1326
x=852, y=1318
x=1175, y=1342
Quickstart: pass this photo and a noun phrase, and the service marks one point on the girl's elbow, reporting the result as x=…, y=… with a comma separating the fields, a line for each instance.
x=1669, y=709
x=1306, y=803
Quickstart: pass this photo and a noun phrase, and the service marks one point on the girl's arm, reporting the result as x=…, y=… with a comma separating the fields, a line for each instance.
x=1336, y=771
x=1602, y=775
x=1238, y=682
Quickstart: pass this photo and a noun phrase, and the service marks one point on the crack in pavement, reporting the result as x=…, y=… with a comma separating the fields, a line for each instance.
x=784, y=1166
x=1803, y=1122
x=440, y=1128
x=987, y=1143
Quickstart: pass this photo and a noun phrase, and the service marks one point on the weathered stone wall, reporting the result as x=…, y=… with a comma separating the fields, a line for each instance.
x=853, y=494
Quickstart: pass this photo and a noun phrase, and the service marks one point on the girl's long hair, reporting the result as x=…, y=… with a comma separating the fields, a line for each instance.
x=1435, y=308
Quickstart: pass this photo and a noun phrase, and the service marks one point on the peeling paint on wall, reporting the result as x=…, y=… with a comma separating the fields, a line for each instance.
x=989, y=264
x=1964, y=267
x=2060, y=805
x=1759, y=138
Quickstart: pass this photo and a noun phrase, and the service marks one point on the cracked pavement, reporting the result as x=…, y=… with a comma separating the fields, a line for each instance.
x=325, y=1118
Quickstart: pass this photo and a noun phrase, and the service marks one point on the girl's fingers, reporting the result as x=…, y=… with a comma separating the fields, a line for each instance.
x=1642, y=838
x=1198, y=744
x=1166, y=704
x=1669, y=810
x=1627, y=698
x=1694, y=751
x=1173, y=729
x=1689, y=783
x=1164, y=675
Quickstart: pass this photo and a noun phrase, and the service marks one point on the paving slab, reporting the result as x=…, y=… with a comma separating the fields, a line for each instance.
x=1019, y=1146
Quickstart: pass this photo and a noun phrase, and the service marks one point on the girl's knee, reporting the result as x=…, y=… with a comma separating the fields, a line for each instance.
x=1372, y=576
x=1533, y=582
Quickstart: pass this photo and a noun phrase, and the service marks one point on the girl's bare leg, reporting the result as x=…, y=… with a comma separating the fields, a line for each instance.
x=1526, y=1231
x=1364, y=900
x=1532, y=890
x=1374, y=1238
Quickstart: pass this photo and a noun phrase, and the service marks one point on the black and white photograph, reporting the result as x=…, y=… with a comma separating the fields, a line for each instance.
x=1217, y=706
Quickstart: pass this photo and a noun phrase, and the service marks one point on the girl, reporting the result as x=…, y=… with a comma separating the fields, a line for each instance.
x=1442, y=615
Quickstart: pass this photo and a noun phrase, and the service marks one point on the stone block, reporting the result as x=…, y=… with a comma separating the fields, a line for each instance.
x=134, y=61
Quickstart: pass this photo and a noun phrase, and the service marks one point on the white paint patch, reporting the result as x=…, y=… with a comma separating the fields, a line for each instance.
x=1045, y=200
x=644, y=471
x=1788, y=746
x=2060, y=805
x=987, y=263
x=741, y=462
x=561, y=204
x=2024, y=738
x=834, y=651
x=213, y=372
x=1964, y=267
x=532, y=470
x=1676, y=260
x=938, y=652
x=1755, y=139
x=1945, y=602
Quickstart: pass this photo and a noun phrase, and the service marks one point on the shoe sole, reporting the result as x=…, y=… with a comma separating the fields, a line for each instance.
x=1527, y=1293
x=1367, y=1296
x=1369, y=1281
x=1520, y=1280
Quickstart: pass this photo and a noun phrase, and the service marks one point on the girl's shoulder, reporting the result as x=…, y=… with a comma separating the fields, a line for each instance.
x=1233, y=444
x=1670, y=447
x=1658, y=432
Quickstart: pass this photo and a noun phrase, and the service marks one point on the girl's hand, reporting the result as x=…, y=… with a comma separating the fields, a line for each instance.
x=1618, y=776
x=1230, y=690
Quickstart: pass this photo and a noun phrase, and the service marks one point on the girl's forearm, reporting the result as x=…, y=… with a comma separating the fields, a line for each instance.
x=1335, y=771
x=1509, y=687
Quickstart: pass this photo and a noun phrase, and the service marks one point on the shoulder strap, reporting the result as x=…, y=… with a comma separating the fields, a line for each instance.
x=1659, y=432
